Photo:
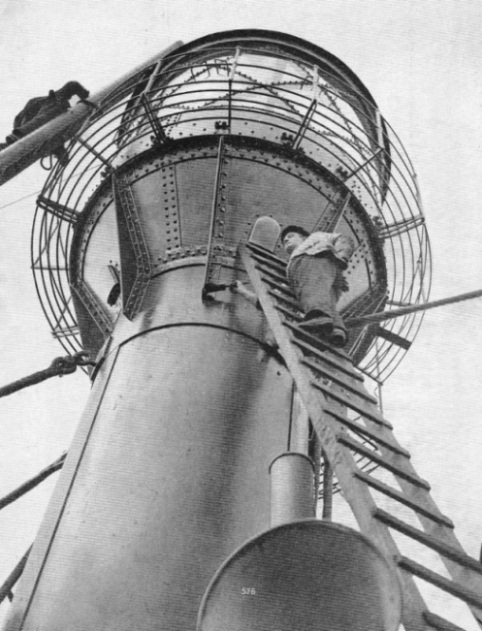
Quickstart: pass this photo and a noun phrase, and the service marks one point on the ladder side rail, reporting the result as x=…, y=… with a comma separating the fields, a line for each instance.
x=439, y=623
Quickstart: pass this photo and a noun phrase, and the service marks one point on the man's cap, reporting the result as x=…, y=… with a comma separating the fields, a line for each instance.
x=297, y=229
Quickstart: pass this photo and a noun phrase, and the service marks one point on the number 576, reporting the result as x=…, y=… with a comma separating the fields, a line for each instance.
x=248, y=591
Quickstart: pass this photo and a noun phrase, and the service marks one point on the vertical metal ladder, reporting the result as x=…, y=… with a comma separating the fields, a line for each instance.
x=348, y=422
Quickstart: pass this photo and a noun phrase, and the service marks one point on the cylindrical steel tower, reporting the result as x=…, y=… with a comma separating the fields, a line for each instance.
x=169, y=470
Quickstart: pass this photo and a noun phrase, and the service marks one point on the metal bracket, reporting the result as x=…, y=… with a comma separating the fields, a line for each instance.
x=93, y=306
x=216, y=231
x=304, y=124
x=135, y=258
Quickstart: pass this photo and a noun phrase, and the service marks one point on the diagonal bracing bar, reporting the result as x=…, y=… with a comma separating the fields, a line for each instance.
x=304, y=124
x=159, y=133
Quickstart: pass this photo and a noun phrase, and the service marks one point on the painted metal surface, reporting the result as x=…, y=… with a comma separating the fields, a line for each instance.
x=170, y=477
x=292, y=488
x=307, y=575
x=174, y=203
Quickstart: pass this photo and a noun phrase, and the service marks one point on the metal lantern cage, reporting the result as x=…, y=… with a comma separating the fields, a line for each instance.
x=249, y=85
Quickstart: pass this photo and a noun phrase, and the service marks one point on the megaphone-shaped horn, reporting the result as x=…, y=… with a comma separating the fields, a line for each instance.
x=308, y=575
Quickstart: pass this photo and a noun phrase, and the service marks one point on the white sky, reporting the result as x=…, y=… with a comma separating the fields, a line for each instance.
x=421, y=60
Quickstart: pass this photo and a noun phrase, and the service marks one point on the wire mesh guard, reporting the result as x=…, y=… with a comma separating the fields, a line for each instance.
x=257, y=92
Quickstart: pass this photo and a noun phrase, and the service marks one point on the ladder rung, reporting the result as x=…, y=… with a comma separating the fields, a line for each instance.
x=326, y=357
x=266, y=265
x=365, y=431
x=375, y=457
x=284, y=290
x=429, y=540
x=440, y=623
x=292, y=313
x=403, y=499
x=266, y=255
x=467, y=595
x=326, y=371
x=265, y=269
x=317, y=342
x=353, y=405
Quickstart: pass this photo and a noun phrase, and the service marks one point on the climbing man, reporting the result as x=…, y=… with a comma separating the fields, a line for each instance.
x=42, y=109
x=315, y=275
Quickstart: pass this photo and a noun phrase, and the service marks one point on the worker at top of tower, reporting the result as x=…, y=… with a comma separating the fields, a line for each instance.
x=315, y=275
x=42, y=109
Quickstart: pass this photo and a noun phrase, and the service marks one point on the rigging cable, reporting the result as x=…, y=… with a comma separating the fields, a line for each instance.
x=59, y=367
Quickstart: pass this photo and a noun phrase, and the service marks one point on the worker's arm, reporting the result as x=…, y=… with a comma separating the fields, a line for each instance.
x=238, y=288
